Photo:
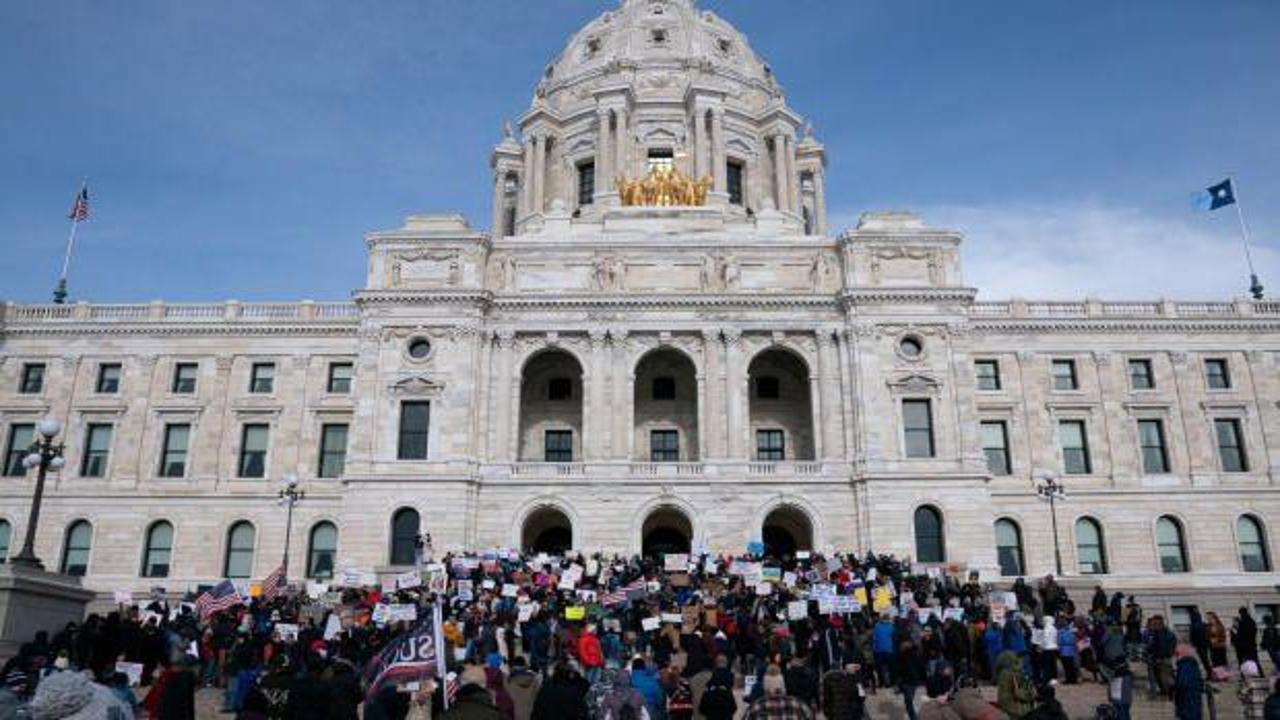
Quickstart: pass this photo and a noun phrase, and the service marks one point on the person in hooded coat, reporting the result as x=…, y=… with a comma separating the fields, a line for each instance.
x=718, y=701
x=522, y=686
x=622, y=699
x=563, y=697
x=1188, y=686
x=1244, y=637
x=1014, y=694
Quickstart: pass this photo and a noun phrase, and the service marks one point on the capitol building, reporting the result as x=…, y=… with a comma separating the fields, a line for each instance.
x=659, y=346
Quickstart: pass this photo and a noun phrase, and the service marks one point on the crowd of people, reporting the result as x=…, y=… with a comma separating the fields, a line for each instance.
x=576, y=637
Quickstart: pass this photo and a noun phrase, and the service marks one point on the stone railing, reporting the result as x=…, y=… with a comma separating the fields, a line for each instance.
x=161, y=312
x=622, y=469
x=1066, y=309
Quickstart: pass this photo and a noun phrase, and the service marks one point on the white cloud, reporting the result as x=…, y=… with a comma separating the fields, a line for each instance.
x=1086, y=250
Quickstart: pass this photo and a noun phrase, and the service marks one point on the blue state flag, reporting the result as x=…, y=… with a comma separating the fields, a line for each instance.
x=1215, y=196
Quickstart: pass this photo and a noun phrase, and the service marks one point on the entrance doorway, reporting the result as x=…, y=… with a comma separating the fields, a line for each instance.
x=666, y=530
x=547, y=530
x=786, y=530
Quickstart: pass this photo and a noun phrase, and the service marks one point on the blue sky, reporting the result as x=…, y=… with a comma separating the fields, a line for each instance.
x=241, y=149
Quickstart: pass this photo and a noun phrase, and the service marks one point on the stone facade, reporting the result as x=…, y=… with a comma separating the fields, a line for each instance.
x=628, y=378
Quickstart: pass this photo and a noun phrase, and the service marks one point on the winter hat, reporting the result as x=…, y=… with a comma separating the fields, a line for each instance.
x=473, y=675
x=72, y=696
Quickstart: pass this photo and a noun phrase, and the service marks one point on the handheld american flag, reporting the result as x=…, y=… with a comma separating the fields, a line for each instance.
x=221, y=597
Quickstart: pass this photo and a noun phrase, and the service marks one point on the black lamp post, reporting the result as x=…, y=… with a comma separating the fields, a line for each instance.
x=44, y=454
x=1049, y=489
x=289, y=496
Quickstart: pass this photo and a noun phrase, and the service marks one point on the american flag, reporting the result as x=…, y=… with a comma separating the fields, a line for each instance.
x=451, y=685
x=80, y=210
x=273, y=585
x=221, y=597
x=619, y=596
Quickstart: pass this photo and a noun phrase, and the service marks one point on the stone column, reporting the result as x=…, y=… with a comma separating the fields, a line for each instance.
x=820, y=200
x=499, y=194
x=793, y=178
x=735, y=409
x=712, y=444
x=719, y=171
x=780, y=193
x=602, y=152
x=539, y=172
x=817, y=403
x=832, y=414
x=699, y=142
x=618, y=375
x=526, y=179
x=502, y=395
x=620, y=146
x=593, y=446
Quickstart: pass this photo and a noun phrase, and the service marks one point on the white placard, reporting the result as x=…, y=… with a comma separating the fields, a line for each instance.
x=407, y=580
x=123, y=597
x=789, y=579
x=388, y=585
x=802, y=554
x=133, y=670
x=675, y=562
x=288, y=632
x=404, y=612
x=332, y=626
x=798, y=610
x=526, y=612
x=510, y=590
x=650, y=623
x=764, y=588
x=380, y=614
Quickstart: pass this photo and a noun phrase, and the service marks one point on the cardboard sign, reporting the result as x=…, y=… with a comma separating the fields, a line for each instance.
x=510, y=590
x=407, y=580
x=771, y=575
x=133, y=670
x=953, y=613
x=388, y=586
x=525, y=613
x=860, y=594
x=332, y=626
x=288, y=632
x=575, y=612
x=465, y=593
x=438, y=581
x=847, y=604
x=402, y=613
x=650, y=624
x=764, y=588
x=675, y=562
x=798, y=610
x=883, y=601
x=676, y=618
x=123, y=597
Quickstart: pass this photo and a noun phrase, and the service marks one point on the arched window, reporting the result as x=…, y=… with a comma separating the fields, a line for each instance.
x=1009, y=547
x=6, y=531
x=1170, y=545
x=929, y=544
x=321, y=550
x=155, y=557
x=75, y=548
x=1253, y=545
x=404, y=536
x=1091, y=554
x=239, y=560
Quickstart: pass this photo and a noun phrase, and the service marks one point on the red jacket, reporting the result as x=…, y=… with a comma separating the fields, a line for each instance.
x=589, y=650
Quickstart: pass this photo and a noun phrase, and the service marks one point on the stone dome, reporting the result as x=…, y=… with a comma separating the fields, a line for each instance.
x=657, y=47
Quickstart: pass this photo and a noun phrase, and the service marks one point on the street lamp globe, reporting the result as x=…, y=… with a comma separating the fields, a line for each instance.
x=57, y=463
x=32, y=460
x=290, y=481
x=49, y=427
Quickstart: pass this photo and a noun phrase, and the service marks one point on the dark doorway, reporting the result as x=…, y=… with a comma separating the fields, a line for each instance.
x=666, y=530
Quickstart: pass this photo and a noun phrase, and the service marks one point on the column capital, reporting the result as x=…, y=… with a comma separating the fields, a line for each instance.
x=732, y=336
x=597, y=336
x=505, y=338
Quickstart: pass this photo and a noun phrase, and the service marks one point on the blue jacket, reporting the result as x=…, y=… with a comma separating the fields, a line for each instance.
x=992, y=643
x=1067, y=642
x=646, y=683
x=882, y=637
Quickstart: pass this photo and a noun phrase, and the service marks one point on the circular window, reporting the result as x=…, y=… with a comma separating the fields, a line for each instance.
x=419, y=348
x=910, y=347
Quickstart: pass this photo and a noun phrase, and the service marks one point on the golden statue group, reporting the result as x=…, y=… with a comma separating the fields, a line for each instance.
x=663, y=187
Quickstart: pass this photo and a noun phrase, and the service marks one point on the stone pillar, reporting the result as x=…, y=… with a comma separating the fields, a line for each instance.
x=502, y=394
x=539, y=173
x=793, y=178
x=712, y=445
x=736, y=423
x=602, y=152
x=820, y=200
x=780, y=193
x=526, y=180
x=817, y=404
x=699, y=142
x=618, y=375
x=499, y=196
x=620, y=146
x=593, y=445
x=719, y=172
x=832, y=407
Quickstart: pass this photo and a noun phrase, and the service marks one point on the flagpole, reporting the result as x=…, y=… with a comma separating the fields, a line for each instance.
x=442, y=668
x=60, y=292
x=1255, y=287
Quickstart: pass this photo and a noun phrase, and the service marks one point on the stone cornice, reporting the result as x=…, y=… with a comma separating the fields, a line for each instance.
x=1029, y=326
x=230, y=328
x=637, y=300
x=366, y=298
x=902, y=296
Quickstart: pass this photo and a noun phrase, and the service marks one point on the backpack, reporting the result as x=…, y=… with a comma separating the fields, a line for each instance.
x=680, y=704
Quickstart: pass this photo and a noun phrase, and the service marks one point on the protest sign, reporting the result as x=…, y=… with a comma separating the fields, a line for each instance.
x=883, y=599
x=789, y=579
x=764, y=588
x=408, y=580
x=676, y=618
x=332, y=626
x=464, y=590
x=132, y=670
x=650, y=624
x=525, y=612
x=675, y=562
x=798, y=610
x=388, y=585
x=288, y=632
x=123, y=597
x=771, y=574
x=575, y=612
x=510, y=590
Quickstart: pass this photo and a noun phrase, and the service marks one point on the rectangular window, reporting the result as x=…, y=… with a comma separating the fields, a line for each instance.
x=173, y=457
x=988, y=372
x=995, y=445
x=770, y=445
x=253, y=450
x=262, y=377
x=733, y=178
x=664, y=445
x=1140, y=377
x=184, y=378
x=21, y=435
x=340, y=375
x=560, y=389
x=1216, y=374
x=664, y=388
x=586, y=183
x=32, y=379
x=108, y=378
x=415, y=421
x=1064, y=375
x=767, y=388
x=97, y=448
x=1155, y=458
x=558, y=446
x=333, y=450
x=917, y=428
x=661, y=159
x=1075, y=447
x=1231, y=445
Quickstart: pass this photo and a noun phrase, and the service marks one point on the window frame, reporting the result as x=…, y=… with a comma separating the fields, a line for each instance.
x=407, y=439
x=734, y=187
x=1148, y=373
x=585, y=182
x=660, y=454
x=560, y=389
x=64, y=565
x=1021, y=558
x=398, y=537
x=941, y=538
x=149, y=548
x=665, y=382
x=333, y=379
x=231, y=550
x=1217, y=362
x=908, y=430
x=243, y=459
x=1072, y=376
x=15, y=452
x=1184, y=552
x=1101, y=545
x=99, y=460
x=325, y=453
x=1004, y=448
x=1085, y=451
x=166, y=449
x=996, y=382
x=176, y=386
x=765, y=451
x=1237, y=428
x=768, y=387
x=1161, y=448
x=6, y=533
x=25, y=379
x=1264, y=550
x=563, y=451
x=262, y=378
x=105, y=379
x=312, y=551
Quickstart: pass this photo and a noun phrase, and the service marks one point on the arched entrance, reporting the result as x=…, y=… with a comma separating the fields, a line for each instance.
x=786, y=529
x=547, y=530
x=666, y=407
x=781, y=416
x=666, y=530
x=551, y=408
